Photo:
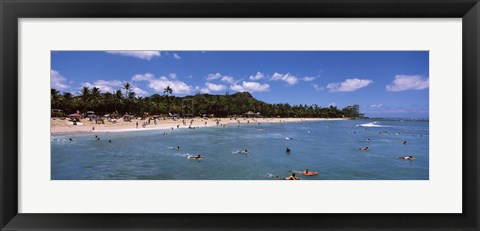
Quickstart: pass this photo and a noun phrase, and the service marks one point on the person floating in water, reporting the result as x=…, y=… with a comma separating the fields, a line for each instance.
x=404, y=142
x=197, y=157
x=287, y=150
x=292, y=177
x=178, y=147
x=364, y=149
x=109, y=141
x=406, y=158
x=71, y=139
x=244, y=152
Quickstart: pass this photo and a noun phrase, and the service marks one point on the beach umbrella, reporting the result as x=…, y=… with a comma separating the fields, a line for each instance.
x=74, y=115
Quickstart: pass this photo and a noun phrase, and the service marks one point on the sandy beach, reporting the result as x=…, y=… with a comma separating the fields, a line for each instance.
x=64, y=127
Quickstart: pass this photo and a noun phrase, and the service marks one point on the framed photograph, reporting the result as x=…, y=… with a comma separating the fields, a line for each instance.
x=203, y=115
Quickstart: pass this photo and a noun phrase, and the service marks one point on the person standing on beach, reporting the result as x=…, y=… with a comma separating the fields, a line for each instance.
x=137, y=124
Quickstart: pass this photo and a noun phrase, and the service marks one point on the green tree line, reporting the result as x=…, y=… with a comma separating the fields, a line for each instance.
x=126, y=101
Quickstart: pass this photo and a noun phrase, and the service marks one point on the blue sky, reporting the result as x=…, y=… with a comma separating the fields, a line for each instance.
x=383, y=83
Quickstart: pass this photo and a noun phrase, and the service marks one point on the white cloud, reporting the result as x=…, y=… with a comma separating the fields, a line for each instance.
x=349, y=85
x=113, y=83
x=143, y=77
x=376, y=105
x=103, y=89
x=317, y=87
x=229, y=79
x=223, y=78
x=290, y=79
x=202, y=90
x=176, y=56
x=57, y=81
x=215, y=87
x=159, y=84
x=212, y=76
x=177, y=86
x=139, y=92
x=104, y=85
x=146, y=55
x=250, y=87
x=407, y=82
x=308, y=78
x=257, y=76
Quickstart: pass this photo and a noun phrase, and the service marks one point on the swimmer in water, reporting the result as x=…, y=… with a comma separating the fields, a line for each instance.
x=244, y=152
x=178, y=147
x=71, y=139
x=364, y=149
x=287, y=150
x=292, y=177
x=197, y=157
x=109, y=141
x=406, y=158
x=404, y=142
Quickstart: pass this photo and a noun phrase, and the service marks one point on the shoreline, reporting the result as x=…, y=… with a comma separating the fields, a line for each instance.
x=60, y=127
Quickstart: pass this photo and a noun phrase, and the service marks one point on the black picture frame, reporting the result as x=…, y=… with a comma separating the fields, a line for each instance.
x=12, y=10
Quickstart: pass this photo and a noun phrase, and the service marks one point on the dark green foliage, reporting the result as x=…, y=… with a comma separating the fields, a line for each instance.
x=203, y=104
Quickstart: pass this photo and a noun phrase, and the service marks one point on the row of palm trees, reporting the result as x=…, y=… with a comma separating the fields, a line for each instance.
x=126, y=101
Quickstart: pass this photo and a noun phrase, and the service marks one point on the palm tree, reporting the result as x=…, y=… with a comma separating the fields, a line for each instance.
x=118, y=98
x=67, y=101
x=127, y=87
x=166, y=91
x=96, y=97
x=107, y=96
x=54, y=98
x=85, y=96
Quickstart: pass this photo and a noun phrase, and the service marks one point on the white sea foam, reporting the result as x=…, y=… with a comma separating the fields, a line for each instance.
x=59, y=139
x=372, y=124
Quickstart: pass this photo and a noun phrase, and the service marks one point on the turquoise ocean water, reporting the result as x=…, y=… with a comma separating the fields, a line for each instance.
x=330, y=147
